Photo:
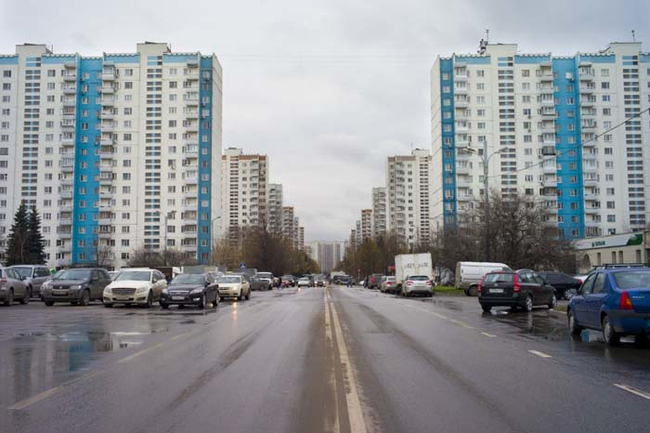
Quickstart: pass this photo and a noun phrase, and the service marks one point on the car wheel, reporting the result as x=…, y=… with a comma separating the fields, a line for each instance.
x=149, y=300
x=553, y=302
x=10, y=298
x=106, y=304
x=574, y=328
x=486, y=308
x=49, y=303
x=164, y=306
x=528, y=304
x=85, y=298
x=202, y=302
x=25, y=299
x=215, y=303
x=611, y=337
x=569, y=293
x=248, y=295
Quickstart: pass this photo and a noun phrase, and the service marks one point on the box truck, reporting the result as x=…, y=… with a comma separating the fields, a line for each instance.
x=407, y=265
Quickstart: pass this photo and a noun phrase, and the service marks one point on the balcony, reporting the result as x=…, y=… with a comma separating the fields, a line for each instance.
x=108, y=102
x=105, y=168
x=190, y=194
x=67, y=168
x=67, y=221
x=70, y=65
x=66, y=195
x=67, y=182
x=591, y=210
x=587, y=90
x=106, y=180
x=463, y=170
x=65, y=248
x=548, y=102
x=192, y=114
x=548, y=112
x=462, y=128
x=547, y=128
x=105, y=235
x=109, y=75
x=546, y=76
x=588, y=126
x=107, y=90
x=549, y=183
x=70, y=90
x=106, y=194
x=69, y=102
x=109, y=126
x=591, y=181
x=190, y=206
x=70, y=77
x=107, y=141
x=65, y=208
x=587, y=102
x=587, y=74
x=192, y=128
x=549, y=169
x=589, y=168
x=65, y=235
x=461, y=115
x=461, y=103
x=590, y=196
x=67, y=124
x=465, y=197
x=460, y=90
x=107, y=115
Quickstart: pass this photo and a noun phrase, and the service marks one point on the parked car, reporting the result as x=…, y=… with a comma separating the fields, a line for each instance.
x=417, y=285
x=372, y=282
x=234, y=286
x=12, y=287
x=319, y=281
x=388, y=285
x=34, y=277
x=304, y=282
x=262, y=281
x=113, y=274
x=615, y=302
x=565, y=285
x=469, y=274
x=199, y=290
x=140, y=286
x=520, y=289
x=79, y=286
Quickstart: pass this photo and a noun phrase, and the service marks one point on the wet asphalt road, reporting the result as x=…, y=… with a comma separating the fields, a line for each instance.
x=311, y=360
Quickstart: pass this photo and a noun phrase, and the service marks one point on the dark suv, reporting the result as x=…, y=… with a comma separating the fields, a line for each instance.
x=372, y=282
x=520, y=289
x=78, y=286
x=565, y=286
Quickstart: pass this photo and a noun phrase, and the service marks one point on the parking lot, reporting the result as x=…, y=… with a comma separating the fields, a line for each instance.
x=313, y=359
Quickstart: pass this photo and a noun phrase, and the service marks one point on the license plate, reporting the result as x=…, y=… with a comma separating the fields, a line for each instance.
x=496, y=290
x=178, y=298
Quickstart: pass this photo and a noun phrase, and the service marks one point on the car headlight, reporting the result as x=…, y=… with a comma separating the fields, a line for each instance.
x=76, y=287
x=108, y=290
x=197, y=291
x=143, y=289
x=165, y=290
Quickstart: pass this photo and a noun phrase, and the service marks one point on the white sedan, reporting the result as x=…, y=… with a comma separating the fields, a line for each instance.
x=234, y=286
x=135, y=286
x=304, y=282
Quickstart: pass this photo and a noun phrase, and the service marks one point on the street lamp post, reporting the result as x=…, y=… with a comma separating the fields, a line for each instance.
x=485, y=158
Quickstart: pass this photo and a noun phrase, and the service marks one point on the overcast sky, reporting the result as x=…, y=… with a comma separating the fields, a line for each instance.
x=327, y=89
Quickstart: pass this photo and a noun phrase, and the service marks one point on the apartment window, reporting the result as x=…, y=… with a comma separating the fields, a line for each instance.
x=605, y=98
x=128, y=111
x=128, y=85
x=480, y=73
x=604, y=85
x=128, y=72
x=128, y=98
x=6, y=74
x=604, y=72
x=525, y=73
x=480, y=86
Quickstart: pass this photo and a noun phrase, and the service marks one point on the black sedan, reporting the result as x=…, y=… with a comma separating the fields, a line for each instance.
x=566, y=286
x=191, y=289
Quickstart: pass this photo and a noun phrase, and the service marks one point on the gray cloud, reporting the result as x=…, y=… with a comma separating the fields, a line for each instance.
x=327, y=89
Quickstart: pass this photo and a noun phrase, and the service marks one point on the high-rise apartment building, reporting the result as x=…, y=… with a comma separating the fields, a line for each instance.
x=118, y=152
x=548, y=124
x=326, y=254
x=245, y=188
x=366, y=224
x=408, y=196
x=275, y=208
x=288, y=223
x=378, y=212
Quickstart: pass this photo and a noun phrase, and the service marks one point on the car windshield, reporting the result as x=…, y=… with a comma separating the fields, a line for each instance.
x=230, y=280
x=266, y=275
x=134, y=276
x=632, y=279
x=73, y=274
x=498, y=278
x=24, y=271
x=419, y=278
x=187, y=279
x=304, y=279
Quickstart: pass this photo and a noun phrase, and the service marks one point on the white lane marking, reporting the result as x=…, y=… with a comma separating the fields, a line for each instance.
x=330, y=346
x=540, y=354
x=633, y=390
x=462, y=324
x=355, y=413
x=488, y=335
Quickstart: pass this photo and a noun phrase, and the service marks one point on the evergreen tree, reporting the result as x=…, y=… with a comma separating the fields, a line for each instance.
x=35, y=243
x=17, y=244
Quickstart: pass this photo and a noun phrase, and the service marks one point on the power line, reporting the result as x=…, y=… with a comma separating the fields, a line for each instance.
x=588, y=141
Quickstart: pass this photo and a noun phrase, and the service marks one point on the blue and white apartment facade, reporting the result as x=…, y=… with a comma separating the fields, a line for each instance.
x=547, y=117
x=118, y=152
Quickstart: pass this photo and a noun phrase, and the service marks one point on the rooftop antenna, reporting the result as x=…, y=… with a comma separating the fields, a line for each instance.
x=483, y=43
x=633, y=36
x=487, y=35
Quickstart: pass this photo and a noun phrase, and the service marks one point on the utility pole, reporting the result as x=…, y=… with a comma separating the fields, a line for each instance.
x=486, y=192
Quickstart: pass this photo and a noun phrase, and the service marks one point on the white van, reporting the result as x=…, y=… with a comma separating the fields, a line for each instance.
x=469, y=274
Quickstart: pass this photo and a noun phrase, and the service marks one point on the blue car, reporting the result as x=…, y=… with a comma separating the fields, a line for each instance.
x=615, y=301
